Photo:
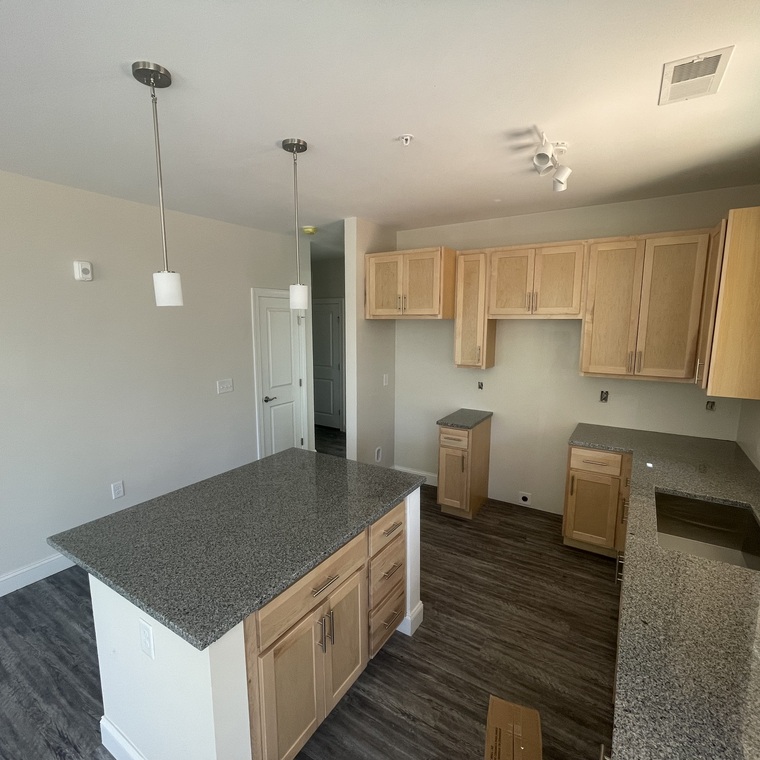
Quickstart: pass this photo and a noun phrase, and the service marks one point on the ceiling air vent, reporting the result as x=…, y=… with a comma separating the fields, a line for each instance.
x=693, y=77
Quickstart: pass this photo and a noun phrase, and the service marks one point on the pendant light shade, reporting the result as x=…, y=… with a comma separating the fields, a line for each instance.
x=166, y=284
x=168, y=288
x=299, y=293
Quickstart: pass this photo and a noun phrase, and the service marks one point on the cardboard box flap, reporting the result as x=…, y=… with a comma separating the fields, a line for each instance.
x=513, y=732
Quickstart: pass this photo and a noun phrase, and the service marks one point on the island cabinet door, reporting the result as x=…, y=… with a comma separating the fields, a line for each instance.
x=346, y=631
x=292, y=687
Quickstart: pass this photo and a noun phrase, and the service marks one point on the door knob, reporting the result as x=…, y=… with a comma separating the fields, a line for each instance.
x=267, y=399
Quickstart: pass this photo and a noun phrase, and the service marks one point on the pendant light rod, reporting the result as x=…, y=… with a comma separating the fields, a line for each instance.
x=154, y=101
x=295, y=146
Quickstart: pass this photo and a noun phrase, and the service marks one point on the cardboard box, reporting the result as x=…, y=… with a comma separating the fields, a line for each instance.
x=513, y=732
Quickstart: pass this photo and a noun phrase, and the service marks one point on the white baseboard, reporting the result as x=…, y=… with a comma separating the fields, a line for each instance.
x=116, y=743
x=412, y=621
x=17, y=579
x=431, y=478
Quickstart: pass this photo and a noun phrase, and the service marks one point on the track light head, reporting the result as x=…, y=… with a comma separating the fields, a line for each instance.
x=560, y=178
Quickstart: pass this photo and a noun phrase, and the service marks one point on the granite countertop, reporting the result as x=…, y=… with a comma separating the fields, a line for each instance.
x=201, y=559
x=688, y=678
x=466, y=419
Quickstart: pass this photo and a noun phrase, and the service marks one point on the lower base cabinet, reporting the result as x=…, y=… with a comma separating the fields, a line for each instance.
x=311, y=667
x=596, y=500
x=306, y=647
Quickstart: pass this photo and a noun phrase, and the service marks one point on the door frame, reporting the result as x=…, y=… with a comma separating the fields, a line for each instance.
x=342, y=304
x=300, y=338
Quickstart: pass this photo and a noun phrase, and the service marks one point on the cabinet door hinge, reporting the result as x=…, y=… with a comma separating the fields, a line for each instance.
x=301, y=441
x=300, y=383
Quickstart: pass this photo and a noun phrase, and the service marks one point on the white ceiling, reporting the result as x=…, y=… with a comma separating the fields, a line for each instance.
x=468, y=78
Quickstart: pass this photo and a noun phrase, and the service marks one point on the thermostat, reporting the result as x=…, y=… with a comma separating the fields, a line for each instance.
x=82, y=271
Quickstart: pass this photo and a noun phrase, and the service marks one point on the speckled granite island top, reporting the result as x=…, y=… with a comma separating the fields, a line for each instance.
x=466, y=419
x=202, y=558
x=688, y=679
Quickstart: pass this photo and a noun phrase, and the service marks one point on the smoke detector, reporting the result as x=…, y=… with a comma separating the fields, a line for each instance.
x=693, y=77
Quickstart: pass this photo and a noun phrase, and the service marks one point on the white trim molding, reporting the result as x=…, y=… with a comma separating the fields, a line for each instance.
x=32, y=573
x=431, y=478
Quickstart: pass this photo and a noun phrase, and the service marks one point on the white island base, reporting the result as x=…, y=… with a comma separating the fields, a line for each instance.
x=183, y=702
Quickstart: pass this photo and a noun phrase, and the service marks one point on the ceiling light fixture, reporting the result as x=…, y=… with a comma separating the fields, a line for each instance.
x=546, y=159
x=166, y=284
x=299, y=294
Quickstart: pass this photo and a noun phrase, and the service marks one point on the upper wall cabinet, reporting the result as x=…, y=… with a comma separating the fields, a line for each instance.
x=417, y=284
x=735, y=362
x=541, y=282
x=474, y=335
x=643, y=305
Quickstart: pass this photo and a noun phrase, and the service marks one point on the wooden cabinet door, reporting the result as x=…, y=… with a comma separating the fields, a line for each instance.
x=735, y=362
x=384, y=285
x=474, y=335
x=510, y=290
x=347, y=633
x=292, y=687
x=671, y=301
x=709, y=304
x=558, y=280
x=591, y=508
x=421, y=291
x=452, y=478
x=612, y=307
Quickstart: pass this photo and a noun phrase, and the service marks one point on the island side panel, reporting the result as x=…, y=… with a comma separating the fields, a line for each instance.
x=184, y=703
x=413, y=617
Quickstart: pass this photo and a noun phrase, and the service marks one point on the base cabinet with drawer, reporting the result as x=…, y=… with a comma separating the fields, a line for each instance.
x=306, y=647
x=596, y=500
x=463, y=469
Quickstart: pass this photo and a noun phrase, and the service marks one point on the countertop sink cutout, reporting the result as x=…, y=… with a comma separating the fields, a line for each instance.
x=722, y=532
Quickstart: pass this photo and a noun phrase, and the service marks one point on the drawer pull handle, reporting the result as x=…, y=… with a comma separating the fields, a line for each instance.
x=331, y=635
x=395, y=566
x=387, y=623
x=451, y=438
x=322, y=638
x=596, y=461
x=329, y=582
x=392, y=529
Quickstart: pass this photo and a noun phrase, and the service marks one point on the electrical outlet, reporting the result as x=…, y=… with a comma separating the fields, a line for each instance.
x=146, y=639
x=480, y=385
x=524, y=498
x=604, y=396
x=224, y=386
x=378, y=454
x=117, y=489
x=385, y=378
x=710, y=406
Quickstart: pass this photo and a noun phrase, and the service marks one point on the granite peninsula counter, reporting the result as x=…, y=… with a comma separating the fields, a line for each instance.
x=688, y=678
x=193, y=565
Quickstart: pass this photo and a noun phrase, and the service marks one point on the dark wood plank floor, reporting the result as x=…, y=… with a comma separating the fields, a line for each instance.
x=329, y=440
x=508, y=611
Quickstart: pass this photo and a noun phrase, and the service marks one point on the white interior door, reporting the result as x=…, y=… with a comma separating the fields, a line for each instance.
x=278, y=354
x=327, y=334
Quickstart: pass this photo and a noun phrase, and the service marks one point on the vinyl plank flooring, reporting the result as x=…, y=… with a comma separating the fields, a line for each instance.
x=329, y=440
x=509, y=611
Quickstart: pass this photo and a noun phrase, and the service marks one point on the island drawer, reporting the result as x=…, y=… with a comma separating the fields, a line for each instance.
x=386, y=570
x=454, y=438
x=384, y=620
x=387, y=528
x=307, y=593
x=595, y=460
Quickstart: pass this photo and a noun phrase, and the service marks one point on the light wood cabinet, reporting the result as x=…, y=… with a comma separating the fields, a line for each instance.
x=414, y=284
x=596, y=500
x=387, y=576
x=643, y=305
x=541, y=282
x=709, y=304
x=735, y=361
x=463, y=469
x=474, y=334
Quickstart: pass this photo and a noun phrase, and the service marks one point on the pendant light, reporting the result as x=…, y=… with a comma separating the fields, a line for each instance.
x=299, y=294
x=166, y=284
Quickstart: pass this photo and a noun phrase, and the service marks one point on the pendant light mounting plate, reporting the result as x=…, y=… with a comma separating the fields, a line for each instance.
x=294, y=145
x=151, y=74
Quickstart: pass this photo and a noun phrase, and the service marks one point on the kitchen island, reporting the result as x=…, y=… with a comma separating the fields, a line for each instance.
x=688, y=674
x=175, y=580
